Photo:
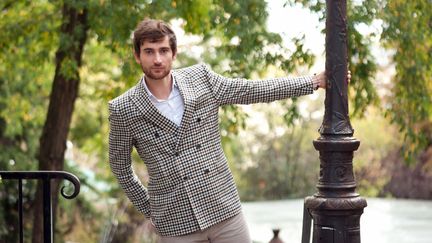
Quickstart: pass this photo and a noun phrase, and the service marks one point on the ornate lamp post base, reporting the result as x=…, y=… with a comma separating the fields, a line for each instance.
x=336, y=219
x=336, y=207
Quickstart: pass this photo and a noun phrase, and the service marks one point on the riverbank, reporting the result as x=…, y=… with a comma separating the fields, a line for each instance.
x=383, y=220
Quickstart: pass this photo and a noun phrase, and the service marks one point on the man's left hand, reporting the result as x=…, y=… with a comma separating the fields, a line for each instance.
x=320, y=80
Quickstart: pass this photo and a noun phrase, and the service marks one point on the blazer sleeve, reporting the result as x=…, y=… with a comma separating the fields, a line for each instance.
x=243, y=91
x=120, y=149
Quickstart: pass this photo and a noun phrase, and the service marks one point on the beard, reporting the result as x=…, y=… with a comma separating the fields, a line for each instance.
x=156, y=72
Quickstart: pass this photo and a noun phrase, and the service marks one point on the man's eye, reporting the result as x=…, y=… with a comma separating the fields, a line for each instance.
x=148, y=52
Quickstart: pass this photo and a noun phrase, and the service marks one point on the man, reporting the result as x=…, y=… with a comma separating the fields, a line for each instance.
x=171, y=118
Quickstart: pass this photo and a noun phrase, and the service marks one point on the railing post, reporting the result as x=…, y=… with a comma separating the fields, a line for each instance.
x=47, y=211
x=20, y=211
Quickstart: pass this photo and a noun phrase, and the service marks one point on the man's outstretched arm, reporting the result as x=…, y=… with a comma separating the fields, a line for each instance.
x=243, y=91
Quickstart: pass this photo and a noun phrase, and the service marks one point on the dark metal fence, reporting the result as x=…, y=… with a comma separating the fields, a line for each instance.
x=46, y=177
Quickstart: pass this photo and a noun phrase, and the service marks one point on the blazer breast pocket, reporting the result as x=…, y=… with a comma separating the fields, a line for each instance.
x=203, y=113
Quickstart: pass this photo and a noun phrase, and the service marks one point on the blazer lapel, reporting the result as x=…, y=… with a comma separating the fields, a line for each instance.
x=142, y=100
x=187, y=91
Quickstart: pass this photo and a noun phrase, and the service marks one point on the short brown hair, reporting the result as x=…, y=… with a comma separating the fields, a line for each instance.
x=153, y=30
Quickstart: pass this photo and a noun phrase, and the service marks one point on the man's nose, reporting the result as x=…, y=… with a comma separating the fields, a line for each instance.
x=157, y=59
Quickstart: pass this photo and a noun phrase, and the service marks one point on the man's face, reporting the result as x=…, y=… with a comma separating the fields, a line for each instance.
x=156, y=59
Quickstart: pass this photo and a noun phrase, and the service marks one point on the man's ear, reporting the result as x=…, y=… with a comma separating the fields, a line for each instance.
x=137, y=58
x=174, y=55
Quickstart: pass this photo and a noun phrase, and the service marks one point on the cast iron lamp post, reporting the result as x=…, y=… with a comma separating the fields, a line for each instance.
x=336, y=207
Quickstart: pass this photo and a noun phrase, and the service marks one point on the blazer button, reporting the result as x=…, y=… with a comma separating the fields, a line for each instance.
x=177, y=154
x=198, y=119
x=206, y=171
x=198, y=146
x=157, y=135
x=185, y=178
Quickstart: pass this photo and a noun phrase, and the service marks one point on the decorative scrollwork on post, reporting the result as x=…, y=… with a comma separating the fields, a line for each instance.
x=75, y=182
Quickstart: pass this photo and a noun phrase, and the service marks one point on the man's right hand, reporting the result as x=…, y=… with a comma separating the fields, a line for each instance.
x=152, y=227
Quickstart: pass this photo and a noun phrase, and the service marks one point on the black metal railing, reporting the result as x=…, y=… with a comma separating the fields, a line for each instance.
x=46, y=177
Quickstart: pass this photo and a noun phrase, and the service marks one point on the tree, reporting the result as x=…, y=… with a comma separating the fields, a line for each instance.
x=68, y=60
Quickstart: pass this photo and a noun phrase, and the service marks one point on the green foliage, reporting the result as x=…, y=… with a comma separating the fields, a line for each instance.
x=370, y=172
x=408, y=31
x=274, y=161
x=25, y=47
x=246, y=49
x=192, y=11
x=361, y=62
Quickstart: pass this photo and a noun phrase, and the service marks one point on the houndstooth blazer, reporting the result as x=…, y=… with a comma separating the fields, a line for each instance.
x=190, y=185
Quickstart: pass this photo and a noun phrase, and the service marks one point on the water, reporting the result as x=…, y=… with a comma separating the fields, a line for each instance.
x=383, y=220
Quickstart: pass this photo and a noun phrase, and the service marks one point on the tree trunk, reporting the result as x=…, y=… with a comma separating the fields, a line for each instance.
x=63, y=95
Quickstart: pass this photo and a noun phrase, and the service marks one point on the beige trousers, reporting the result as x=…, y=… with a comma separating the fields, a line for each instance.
x=232, y=230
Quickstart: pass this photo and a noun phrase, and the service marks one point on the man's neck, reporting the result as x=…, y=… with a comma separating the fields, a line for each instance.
x=160, y=88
